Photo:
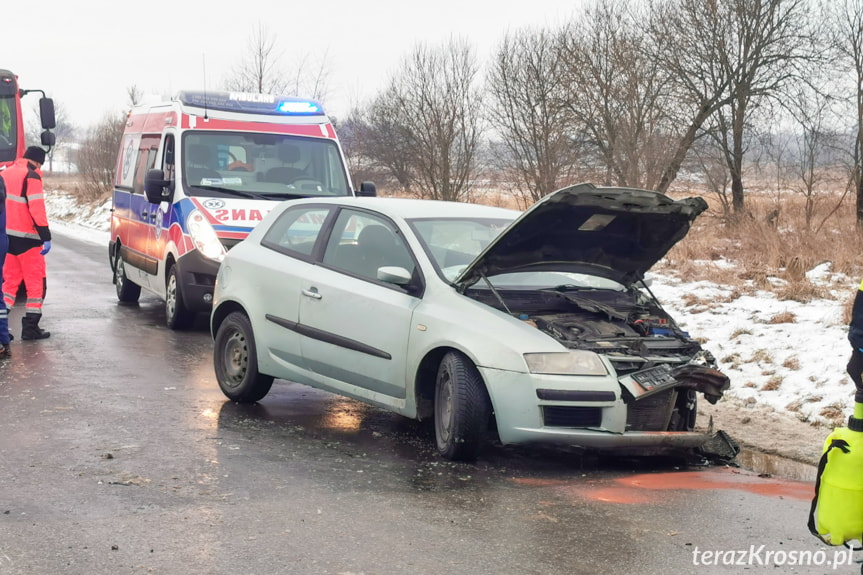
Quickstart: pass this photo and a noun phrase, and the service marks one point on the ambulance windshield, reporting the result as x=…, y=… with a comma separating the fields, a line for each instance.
x=271, y=166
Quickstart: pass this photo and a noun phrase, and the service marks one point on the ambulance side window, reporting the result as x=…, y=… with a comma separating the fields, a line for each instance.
x=168, y=158
x=146, y=160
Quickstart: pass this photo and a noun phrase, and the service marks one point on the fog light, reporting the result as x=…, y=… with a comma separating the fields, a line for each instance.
x=208, y=298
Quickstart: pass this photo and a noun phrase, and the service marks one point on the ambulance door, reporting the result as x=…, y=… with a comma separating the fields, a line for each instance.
x=160, y=214
x=142, y=214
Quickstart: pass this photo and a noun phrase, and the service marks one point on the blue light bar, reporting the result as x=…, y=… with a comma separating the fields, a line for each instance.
x=250, y=103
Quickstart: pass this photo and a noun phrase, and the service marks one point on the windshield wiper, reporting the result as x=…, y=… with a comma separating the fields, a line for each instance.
x=587, y=303
x=233, y=192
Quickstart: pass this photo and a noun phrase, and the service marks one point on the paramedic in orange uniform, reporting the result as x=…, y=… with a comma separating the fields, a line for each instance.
x=29, y=238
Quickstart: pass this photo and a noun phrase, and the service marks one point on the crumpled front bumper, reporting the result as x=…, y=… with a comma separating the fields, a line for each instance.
x=585, y=411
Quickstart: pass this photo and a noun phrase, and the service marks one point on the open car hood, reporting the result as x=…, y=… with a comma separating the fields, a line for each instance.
x=616, y=233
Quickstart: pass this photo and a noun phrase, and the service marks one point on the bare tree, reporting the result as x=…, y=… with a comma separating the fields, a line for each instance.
x=65, y=131
x=727, y=54
x=816, y=145
x=259, y=70
x=134, y=93
x=262, y=70
x=310, y=77
x=618, y=92
x=714, y=169
x=431, y=114
x=97, y=156
x=846, y=19
x=528, y=93
x=378, y=136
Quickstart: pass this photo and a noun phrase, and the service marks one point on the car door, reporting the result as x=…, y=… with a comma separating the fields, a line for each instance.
x=281, y=270
x=355, y=328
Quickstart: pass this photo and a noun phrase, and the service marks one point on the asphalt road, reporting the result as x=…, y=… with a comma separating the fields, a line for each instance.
x=119, y=454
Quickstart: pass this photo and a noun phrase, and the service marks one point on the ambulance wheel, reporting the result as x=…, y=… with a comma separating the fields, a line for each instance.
x=235, y=360
x=127, y=292
x=176, y=313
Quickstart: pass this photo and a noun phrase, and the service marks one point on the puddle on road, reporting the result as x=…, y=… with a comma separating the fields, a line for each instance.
x=775, y=466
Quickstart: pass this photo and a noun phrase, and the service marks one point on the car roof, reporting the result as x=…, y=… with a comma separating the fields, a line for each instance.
x=411, y=208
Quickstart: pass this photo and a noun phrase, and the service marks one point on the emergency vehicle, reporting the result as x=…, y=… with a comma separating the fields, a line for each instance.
x=12, y=119
x=195, y=174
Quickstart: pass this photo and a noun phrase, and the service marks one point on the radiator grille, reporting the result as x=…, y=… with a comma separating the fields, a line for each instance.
x=565, y=416
x=651, y=413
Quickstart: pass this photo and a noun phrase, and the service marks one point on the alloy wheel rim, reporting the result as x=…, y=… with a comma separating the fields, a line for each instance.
x=171, y=296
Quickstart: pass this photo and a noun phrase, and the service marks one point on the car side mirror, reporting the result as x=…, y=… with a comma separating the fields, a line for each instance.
x=367, y=189
x=48, y=139
x=156, y=187
x=394, y=275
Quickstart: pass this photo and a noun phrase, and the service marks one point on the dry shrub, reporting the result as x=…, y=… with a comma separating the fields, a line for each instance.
x=740, y=331
x=791, y=363
x=761, y=355
x=802, y=291
x=772, y=384
x=783, y=317
x=785, y=247
x=689, y=299
x=800, y=401
x=796, y=269
x=834, y=412
x=734, y=295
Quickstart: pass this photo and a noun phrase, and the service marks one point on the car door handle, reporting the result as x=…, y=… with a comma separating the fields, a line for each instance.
x=145, y=214
x=312, y=293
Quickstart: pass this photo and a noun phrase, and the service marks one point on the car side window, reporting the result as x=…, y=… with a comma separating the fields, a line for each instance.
x=296, y=230
x=361, y=243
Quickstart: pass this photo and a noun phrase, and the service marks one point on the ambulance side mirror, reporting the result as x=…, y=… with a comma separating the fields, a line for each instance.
x=367, y=189
x=156, y=187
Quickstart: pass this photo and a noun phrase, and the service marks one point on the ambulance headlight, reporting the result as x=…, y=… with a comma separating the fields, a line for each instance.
x=204, y=236
x=577, y=362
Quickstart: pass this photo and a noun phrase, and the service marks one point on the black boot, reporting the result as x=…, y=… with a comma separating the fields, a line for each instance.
x=30, y=327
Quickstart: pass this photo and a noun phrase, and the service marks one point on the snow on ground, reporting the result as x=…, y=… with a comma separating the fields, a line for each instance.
x=796, y=368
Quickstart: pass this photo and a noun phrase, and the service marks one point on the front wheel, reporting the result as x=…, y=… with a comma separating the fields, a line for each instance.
x=127, y=292
x=176, y=313
x=462, y=408
x=236, y=362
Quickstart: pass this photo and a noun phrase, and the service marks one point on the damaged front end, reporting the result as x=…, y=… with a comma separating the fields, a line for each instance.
x=660, y=368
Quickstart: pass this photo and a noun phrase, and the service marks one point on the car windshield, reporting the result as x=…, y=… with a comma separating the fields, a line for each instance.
x=453, y=243
x=273, y=166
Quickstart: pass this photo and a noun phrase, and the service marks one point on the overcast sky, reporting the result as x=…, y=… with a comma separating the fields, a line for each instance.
x=86, y=54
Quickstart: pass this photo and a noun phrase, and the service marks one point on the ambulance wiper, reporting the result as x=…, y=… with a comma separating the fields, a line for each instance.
x=234, y=192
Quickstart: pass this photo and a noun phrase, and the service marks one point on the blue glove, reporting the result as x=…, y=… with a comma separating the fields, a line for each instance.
x=46, y=247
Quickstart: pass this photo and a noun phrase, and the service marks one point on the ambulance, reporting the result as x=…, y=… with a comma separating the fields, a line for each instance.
x=195, y=174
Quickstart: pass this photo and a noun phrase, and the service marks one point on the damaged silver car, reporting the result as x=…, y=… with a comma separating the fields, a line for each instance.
x=527, y=327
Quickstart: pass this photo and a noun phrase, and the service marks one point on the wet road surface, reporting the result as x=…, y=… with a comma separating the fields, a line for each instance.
x=119, y=454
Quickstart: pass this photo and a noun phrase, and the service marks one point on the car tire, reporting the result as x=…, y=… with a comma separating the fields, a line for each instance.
x=176, y=313
x=462, y=409
x=127, y=292
x=235, y=360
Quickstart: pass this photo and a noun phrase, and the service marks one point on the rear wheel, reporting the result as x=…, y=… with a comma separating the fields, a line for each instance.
x=236, y=362
x=462, y=408
x=177, y=314
x=127, y=292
